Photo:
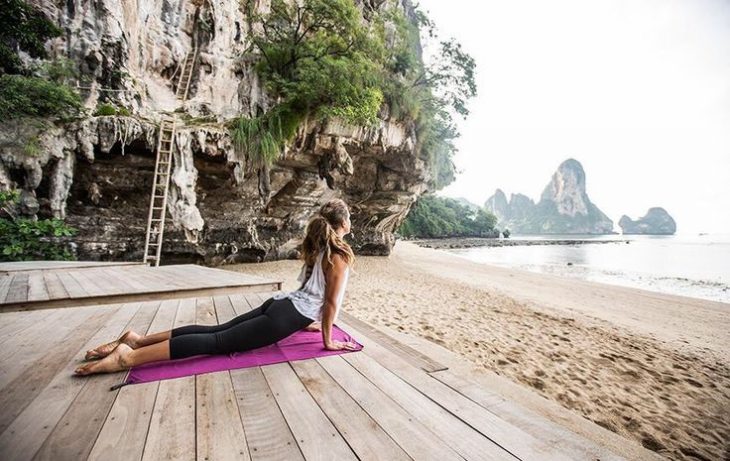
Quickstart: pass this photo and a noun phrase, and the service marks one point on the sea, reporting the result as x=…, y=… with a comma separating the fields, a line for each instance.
x=695, y=265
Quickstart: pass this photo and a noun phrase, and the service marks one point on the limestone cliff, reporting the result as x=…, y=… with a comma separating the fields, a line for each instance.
x=656, y=222
x=564, y=207
x=97, y=172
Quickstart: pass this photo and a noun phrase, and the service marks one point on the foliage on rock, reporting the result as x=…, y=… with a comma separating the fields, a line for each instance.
x=322, y=59
x=434, y=217
x=23, y=239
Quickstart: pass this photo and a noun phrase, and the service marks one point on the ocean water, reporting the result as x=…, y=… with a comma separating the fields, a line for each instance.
x=697, y=266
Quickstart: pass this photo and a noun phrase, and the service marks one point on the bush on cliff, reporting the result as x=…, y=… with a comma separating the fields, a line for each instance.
x=320, y=59
x=22, y=27
x=23, y=239
x=38, y=91
x=22, y=96
x=436, y=217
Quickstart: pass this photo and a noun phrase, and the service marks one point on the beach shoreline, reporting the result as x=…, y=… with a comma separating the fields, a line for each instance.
x=651, y=367
x=478, y=242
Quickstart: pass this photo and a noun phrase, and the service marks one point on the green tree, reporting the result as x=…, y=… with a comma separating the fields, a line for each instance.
x=22, y=27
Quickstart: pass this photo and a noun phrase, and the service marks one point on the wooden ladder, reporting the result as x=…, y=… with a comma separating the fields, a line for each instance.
x=163, y=165
x=183, y=82
x=160, y=185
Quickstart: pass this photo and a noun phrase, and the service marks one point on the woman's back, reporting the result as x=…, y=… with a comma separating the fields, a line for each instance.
x=310, y=298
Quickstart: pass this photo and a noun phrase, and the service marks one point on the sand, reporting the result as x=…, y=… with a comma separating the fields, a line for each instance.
x=651, y=367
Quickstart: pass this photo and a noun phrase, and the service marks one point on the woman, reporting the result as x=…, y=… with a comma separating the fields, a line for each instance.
x=314, y=306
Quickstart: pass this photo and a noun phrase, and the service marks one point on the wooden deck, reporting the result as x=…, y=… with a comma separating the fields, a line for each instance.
x=45, y=286
x=389, y=401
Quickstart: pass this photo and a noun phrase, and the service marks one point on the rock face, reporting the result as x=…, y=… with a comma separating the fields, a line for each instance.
x=656, y=222
x=97, y=172
x=564, y=207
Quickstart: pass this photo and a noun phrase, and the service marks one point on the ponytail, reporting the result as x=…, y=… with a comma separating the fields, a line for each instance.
x=321, y=234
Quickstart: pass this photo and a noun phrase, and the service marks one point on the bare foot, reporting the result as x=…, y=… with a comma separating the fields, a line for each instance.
x=129, y=338
x=116, y=361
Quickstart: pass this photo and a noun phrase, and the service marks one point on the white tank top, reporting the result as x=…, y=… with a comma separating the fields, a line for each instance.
x=309, y=300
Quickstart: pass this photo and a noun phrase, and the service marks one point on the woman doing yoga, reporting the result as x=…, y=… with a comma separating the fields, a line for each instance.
x=314, y=306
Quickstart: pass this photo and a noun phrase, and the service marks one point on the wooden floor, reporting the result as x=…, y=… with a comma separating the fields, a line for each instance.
x=45, y=285
x=18, y=266
x=389, y=401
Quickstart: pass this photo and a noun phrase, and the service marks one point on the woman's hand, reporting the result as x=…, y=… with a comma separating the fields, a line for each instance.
x=339, y=345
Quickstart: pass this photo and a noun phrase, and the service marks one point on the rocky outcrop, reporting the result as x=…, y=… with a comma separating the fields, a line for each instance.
x=498, y=206
x=564, y=207
x=656, y=222
x=97, y=172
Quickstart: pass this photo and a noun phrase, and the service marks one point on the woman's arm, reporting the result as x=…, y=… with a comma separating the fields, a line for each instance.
x=334, y=276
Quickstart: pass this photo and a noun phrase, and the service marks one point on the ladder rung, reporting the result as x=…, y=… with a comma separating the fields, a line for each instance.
x=157, y=207
x=155, y=219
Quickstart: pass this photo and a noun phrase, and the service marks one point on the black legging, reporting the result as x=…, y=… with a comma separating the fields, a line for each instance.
x=274, y=320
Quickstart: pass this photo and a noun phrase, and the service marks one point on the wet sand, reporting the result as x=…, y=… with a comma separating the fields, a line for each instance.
x=651, y=367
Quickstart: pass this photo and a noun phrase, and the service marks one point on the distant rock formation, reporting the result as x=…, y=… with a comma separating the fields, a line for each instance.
x=497, y=205
x=656, y=222
x=564, y=207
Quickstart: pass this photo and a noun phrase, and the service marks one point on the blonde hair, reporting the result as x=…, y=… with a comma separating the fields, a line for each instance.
x=321, y=235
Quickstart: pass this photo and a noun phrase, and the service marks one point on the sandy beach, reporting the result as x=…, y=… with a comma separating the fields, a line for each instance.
x=651, y=367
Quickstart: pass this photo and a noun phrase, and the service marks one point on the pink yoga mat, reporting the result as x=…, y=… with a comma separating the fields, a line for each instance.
x=301, y=345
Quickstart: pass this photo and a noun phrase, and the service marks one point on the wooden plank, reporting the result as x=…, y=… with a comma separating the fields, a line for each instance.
x=363, y=434
x=408, y=353
x=54, y=286
x=166, y=278
x=13, y=323
x=455, y=433
x=75, y=434
x=123, y=433
x=5, y=280
x=109, y=285
x=20, y=266
x=144, y=276
x=205, y=311
x=511, y=438
x=37, y=287
x=25, y=435
x=18, y=291
x=268, y=435
x=223, y=309
x=406, y=430
x=92, y=285
x=189, y=273
x=239, y=303
x=26, y=348
x=18, y=394
x=220, y=433
x=72, y=287
x=570, y=443
x=317, y=438
x=125, y=298
x=576, y=436
x=172, y=427
x=127, y=277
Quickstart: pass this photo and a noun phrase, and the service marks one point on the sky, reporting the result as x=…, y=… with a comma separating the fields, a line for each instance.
x=637, y=91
